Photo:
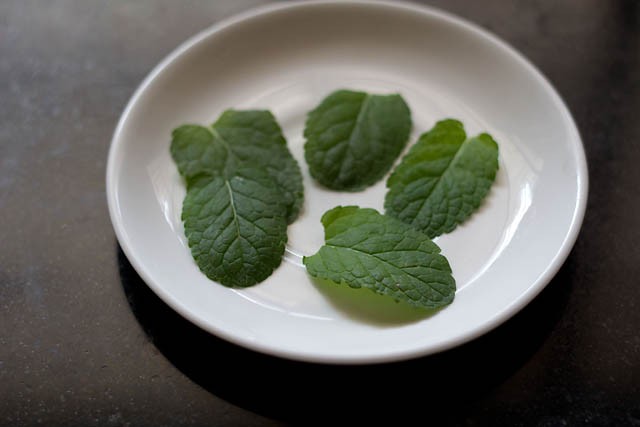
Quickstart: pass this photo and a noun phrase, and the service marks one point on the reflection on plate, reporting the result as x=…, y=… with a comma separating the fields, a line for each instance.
x=286, y=58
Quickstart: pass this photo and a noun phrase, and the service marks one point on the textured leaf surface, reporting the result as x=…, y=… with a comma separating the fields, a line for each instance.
x=365, y=249
x=194, y=151
x=443, y=179
x=236, y=225
x=256, y=136
x=353, y=138
x=235, y=138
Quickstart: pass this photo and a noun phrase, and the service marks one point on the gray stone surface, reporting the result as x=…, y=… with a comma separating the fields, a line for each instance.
x=84, y=342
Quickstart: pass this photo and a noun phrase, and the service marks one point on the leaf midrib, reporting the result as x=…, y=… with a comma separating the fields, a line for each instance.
x=232, y=203
x=389, y=264
x=363, y=106
x=439, y=179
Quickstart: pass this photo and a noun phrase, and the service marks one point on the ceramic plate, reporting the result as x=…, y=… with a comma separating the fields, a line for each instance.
x=286, y=58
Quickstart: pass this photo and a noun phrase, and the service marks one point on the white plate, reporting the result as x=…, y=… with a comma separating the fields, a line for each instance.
x=286, y=58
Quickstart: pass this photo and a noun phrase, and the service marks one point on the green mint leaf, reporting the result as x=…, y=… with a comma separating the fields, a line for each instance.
x=353, y=138
x=365, y=249
x=443, y=178
x=235, y=225
x=235, y=138
x=242, y=187
x=194, y=151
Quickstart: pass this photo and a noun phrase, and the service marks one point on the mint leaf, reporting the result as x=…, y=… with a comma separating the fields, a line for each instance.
x=236, y=225
x=194, y=151
x=242, y=187
x=443, y=179
x=353, y=138
x=365, y=249
x=235, y=138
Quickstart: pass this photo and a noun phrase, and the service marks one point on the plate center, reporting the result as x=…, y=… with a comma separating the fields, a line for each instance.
x=470, y=248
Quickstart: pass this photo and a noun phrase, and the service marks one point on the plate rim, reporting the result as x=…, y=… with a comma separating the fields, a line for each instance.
x=563, y=251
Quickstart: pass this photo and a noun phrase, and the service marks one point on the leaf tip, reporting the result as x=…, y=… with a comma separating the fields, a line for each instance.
x=332, y=215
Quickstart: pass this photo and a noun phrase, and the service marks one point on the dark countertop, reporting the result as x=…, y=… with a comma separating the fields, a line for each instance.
x=84, y=342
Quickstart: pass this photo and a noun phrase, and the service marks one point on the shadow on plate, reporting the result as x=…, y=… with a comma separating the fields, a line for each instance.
x=296, y=391
x=363, y=305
